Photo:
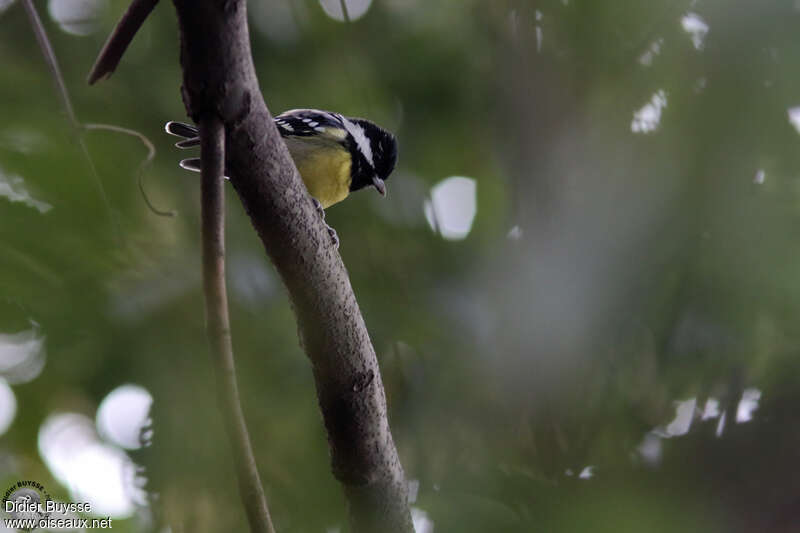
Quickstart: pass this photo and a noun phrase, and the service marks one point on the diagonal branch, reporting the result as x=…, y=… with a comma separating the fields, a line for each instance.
x=66, y=102
x=212, y=152
x=50, y=58
x=120, y=38
x=219, y=80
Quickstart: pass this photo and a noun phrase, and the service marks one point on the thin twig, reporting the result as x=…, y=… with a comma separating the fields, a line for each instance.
x=345, y=14
x=212, y=153
x=61, y=89
x=120, y=38
x=50, y=58
x=151, y=150
x=151, y=154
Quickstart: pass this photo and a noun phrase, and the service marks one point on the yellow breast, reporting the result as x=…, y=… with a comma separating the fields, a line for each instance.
x=325, y=169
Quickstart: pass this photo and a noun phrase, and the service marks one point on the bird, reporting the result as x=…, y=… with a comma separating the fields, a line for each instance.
x=335, y=155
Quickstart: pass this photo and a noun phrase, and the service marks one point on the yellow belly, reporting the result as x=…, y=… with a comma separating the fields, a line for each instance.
x=325, y=171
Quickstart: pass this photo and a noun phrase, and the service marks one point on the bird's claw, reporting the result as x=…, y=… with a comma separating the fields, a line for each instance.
x=334, y=237
x=331, y=231
x=318, y=206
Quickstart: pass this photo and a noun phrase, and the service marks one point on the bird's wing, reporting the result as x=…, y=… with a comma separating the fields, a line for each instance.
x=322, y=125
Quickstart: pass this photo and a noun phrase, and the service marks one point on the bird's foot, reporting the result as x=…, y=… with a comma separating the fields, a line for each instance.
x=331, y=231
x=318, y=206
x=334, y=237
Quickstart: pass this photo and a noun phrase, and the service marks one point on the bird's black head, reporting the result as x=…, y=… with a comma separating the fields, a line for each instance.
x=374, y=155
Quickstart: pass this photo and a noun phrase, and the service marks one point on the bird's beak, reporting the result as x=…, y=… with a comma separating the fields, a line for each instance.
x=379, y=185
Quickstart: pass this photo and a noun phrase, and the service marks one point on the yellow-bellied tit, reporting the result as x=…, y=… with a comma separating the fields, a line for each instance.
x=334, y=154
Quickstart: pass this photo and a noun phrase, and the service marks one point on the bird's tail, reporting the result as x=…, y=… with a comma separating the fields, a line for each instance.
x=192, y=164
x=191, y=138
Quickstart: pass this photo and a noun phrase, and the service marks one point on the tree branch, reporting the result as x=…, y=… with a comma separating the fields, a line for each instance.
x=120, y=38
x=220, y=80
x=212, y=152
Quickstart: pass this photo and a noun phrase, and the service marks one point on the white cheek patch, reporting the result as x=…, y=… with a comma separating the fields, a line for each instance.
x=361, y=139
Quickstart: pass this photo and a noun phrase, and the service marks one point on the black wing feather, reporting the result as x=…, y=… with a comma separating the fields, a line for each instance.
x=306, y=122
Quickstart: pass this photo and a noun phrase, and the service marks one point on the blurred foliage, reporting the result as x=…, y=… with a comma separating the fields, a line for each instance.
x=611, y=269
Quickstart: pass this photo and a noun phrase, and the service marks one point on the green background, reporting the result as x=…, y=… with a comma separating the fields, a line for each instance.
x=608, y=274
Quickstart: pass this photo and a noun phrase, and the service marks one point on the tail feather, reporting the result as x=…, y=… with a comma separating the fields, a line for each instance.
x=179, y=129
x=191, y=138
x=193, y=164
x=188, y=143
